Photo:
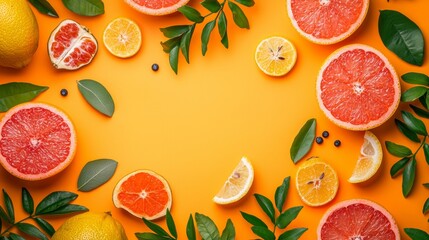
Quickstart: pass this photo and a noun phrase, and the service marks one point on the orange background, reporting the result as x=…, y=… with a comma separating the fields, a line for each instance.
x=193, y=128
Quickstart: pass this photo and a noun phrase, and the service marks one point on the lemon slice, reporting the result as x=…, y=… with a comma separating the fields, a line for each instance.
x=316, y=182
x=122, y=37
x=275, y=56
x=371, y=156
x=237, y=185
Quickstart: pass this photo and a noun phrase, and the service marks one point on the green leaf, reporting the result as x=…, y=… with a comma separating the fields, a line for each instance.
x=205, y=35
x=190, y=229
x=414, y=123
x=170, y=224
x=85, y=7
x=424, y=100
x=222, y=28
x=185, y=43
x=168, y=45
x=9, y=206
x=151, y=236
x=426, y=152
x=263, y=232
x=14, y=236
x=408, y=177
x=4, y=216
x=426, y=185
x=247, y=3
x=174, y=58
x=426, y=206
x=97, y=96
x=44, y=7
x=238, y=15
x=95, y=173
x=288, y=216
x=255, y=221
x=175, y=31
x=401, y=36
x=292, y=234
x=420, y=112
x=211, y=5
x=206, y=227
x=228, y=232
x=191, y=14
x=416, y=234
x=27, y=201
x=398, y=166
x=68, y=208
x=266, y=205
x=406, y=131
x=54, y=201
x=413, y=93
x=156, y=228
x=398, y=150
x=416, y=78
x=281, y=194
x=302, y=142
x=14, y=93
x=47, y=227
x=31, y=230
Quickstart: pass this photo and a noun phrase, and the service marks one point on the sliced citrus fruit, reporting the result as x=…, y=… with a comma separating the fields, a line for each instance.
x=327, y=21
x=357, y=88
x=357, y=219
x=71, y=46
x=144, y=194
x=369, y=161
x=237, y=185
x=275, y=56
x=156, y=7
x=37, y=141
x=316, y=182
x=122, y=37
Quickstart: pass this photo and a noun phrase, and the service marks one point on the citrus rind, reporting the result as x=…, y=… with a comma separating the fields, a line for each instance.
x=157, y=11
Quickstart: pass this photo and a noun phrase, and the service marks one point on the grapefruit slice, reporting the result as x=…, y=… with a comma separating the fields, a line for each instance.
x=357, y=88
x=357, y=219
x=327, y=21
x=122, y=37
x=144, y=194
x=156, y=7
x=37, y=141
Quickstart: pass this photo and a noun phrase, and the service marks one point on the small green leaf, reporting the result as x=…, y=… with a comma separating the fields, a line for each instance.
x=168, y=45
x=398, y=150
x=211, y=5
x=85, y=7
x=263, y=232
x=413, y=93
x=151, y=236
x=14, y=93
x=281, y=194
x=97, y=96
x=401, y=36
x=416, y=234
x=9, y=206
x=255, y=221
x=406, y=131
x=426, y=185
x=287, y=217
x=292, y=234
x=205, y=35
x=95, y=173
x=174, y=58
x=191, y=14
x=190, y=229
x=222, y=24
x=47, y=227
x=416, y=78
x=27, y=201
x=206, y=227
x=266, y=205
x=185, y=43
x=44, y=7
x=414, y=123
x=228, y=232
x=424, y=100
x=408, y=177
x=13, y=236
x=31, y=230
x=426, y=206
x=420, y=112
x=54, y=201
x=238, y=15
x=426, y=152
x=4, y=216
x=247, y=3
x=68, y=208
x=170, y=224
x=175, y=31
x=302, y=142
x=156, y=228
x=398, y=166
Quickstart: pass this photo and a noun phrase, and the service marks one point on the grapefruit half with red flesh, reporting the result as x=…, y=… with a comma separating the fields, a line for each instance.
x=357, y=219
x=357, y=88
x=156, y=7
x=37, y=141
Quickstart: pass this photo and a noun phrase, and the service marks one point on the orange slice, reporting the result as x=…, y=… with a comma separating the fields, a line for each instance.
x=122, y=37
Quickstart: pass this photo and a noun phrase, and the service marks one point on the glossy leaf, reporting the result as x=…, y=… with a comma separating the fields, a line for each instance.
x=413, y=93
x=424, y=100
x=398, y=150
x=211, y=5
x=416, y=234
x=31, y=230
x=419, y=111
x=205, y=35
x=408, y=177
x=44, y=7
x=151, y=236
x=238, y=15
x=13, y=236
x=175, y=31
x=68, y=208
x=97, y=96
x=414, y=123
x=185, y=43
x=168, y=45
x=416, y=78
x=255, y=221
x=398, y=166
x=281, y=194
x=85, y=7
x=4, y=216
x=170, y=224
x=191, y=14
x=9, y=206
x=27, y=201
x=95, y=173
x=406, y=131
x=174, y=58
x=288, y=216
x=190, y=229
x=425, y=206
x=206, y=227
x=263, y=232
x=46, y=226
x=54, y=201
x=266, y=205
x=401, y=36
x=247, y=3
x=155, y=228
x=228, y=232
x=303, y=141
x=14, y=93
x=292, y=234
x=222, y=24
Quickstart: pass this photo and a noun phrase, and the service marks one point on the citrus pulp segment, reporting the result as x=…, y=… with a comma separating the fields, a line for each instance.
x=369, y=161
x=327, y=21
x=37, y=141
x=156, y=7
x=144, y=194
x=357, y=88
x=122, y=37
x=238, y=183
x=357, y=219
x=317, y=182
x=275, y=56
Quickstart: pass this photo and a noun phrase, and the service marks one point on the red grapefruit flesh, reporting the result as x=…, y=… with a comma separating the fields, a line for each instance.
x=357, y=219
x=327, y=21
x=357, y=88
x=156, y=7
x=71, y=46
x=37, y=141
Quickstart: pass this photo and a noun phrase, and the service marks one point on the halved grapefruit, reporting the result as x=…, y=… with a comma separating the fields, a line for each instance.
x=37, y=141
x=357, y=88
x=327, y=21
x=156, y=7
x=357, y=219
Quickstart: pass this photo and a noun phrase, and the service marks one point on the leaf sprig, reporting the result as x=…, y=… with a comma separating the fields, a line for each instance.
x=56, y=203
x=180, y=35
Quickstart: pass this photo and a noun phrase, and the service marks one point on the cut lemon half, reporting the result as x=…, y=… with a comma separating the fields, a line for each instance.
x=316, y=182
x=369, y=161
x=275, y=56
x=237, y=185
x=122, y=37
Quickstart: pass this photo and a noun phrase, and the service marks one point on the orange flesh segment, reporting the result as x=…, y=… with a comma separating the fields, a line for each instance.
x=156, y=4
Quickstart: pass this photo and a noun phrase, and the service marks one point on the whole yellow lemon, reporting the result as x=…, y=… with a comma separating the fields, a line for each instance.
x=90, y=226
x=19, y=33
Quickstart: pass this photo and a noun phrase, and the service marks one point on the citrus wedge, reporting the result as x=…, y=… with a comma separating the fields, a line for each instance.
x=275, y=56
x=237, y=185
x=122, y=37
x=371, y=156
x=316, y=182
